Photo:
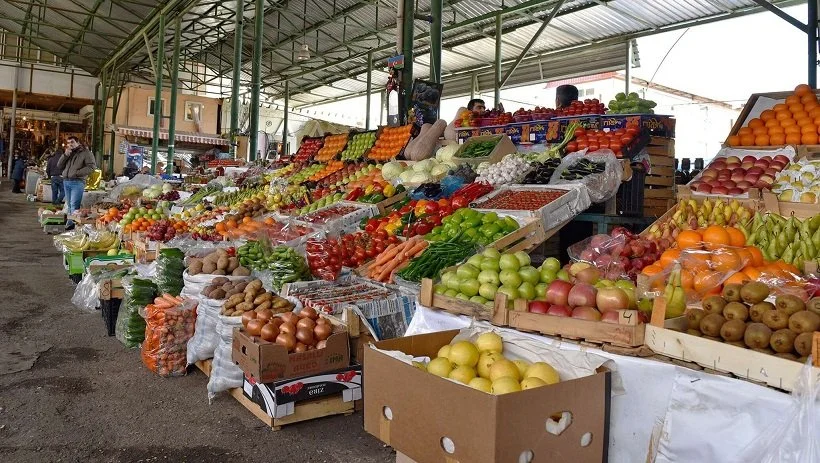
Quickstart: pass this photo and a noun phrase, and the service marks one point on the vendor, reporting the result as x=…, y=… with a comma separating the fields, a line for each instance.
x=565, y=95
x=476, y=106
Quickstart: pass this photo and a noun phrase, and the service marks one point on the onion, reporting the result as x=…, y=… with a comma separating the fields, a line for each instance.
x=255, y=327
x=311, y=347
x=287, y=340
x=269, y=332
x=300, y=347
x=288, y=328
x=248, y=316
x=322, y=321
x=305, y=335
x=264, y=315
x=277, y=321
x=321, y=344
x=309, y=312
x=290, y=317
x=306, y=323
x=322, y=332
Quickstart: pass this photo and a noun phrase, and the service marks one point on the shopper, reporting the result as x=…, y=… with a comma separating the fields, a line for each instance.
x=76, y=165
x=55, y=174
x=17, y=172
x=565, y=95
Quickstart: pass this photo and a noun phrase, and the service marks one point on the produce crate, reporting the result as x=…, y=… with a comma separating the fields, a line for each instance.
x=503, y=147
x=756, y=104
x=788, y=208
x=741, y=362
x=629, y=201
x=553, y=215
x=74, y=262
x=344, y=223
x=496, y=315
x=357, y=330
x=110, y=308
x=657, y=124
x=384, y=205
x=145, y=250
x=753, y=203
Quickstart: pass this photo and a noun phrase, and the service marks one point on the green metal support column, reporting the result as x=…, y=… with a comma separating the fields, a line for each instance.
x=435, y=40
x=237, y=73
x=99, y=127
x=369, y=90
x=116, y=94
x=158, y=93
x=259, y=15
x=285, y=146
x=95, y=122
x=497, y=74
x=407, y=51
x=172, y=109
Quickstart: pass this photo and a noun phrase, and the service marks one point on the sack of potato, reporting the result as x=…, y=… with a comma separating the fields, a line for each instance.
x=243, y=297
x=218, y=262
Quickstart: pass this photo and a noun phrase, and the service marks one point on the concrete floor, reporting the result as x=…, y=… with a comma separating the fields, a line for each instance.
x=70, y=393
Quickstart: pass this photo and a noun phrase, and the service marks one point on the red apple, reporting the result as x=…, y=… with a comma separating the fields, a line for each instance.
x=762, y=163
x=720, y=190
x=718, y=164
x=730, y=159
x=582, y=294
x=755, y=170
x=747, y=165
x=559, y=311
x=738, y=176
x=769, y=158
x=736, y=191
x=586, y=313
x=611, y=299
x=728, y=183
x=610, y=316
x=746, y=183
x=769, y=179
x=538, y=307
x=709, y=173
x=727, y=172
x=695, y=184
x=777, y=165
x=781, y=158
x=558, y=292
x=749, y=158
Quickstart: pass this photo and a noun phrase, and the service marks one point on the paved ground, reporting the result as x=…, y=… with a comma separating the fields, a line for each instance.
x=87, y=398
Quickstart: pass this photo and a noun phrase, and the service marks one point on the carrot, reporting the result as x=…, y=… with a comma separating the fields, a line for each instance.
x=399, y=267
x=170, y=299
x=387, y=255
x=417, y=248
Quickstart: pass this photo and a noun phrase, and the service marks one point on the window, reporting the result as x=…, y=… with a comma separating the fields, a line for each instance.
x=193, y=111
x=589, y=92
x=151, y=104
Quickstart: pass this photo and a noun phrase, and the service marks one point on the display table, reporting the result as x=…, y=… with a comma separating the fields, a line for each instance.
x=683, y=414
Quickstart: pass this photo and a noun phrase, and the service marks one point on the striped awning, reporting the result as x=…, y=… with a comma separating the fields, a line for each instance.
x=188, y=137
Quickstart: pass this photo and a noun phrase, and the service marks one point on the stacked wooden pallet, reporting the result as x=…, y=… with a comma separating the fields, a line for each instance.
x=659, y=194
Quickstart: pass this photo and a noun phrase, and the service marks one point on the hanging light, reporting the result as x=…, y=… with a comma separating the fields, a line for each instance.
x=304, y=53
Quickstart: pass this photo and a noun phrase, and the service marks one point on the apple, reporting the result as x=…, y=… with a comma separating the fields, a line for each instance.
x=732, y=159
x=695, y=184
x=558, y=292
x=777, y=165
x=736, y=191
x=756, y=170
x=762, y=163
x=611, y=299
x=729, y=184
x=748, y=158
x=529, y=274
x=511, y=292
x=770, y=171
x=526, y=291
x=541, y=291
x=487, y=291
x=582, y=294
x=710, y=172
x=720, y=190
x=510, y=278
x=552, y=264
x=746, y=184
x=576, y=268
x=509, y=262
x=725, y=172
x=588, y=275
x=747, y=165
x=586, y=313
x=718, y=164
x=563, y=275
x=610, y=316
x=704, y=188
x=559, y=311
x=781, y=158
x=738, y=176
x=538, y=307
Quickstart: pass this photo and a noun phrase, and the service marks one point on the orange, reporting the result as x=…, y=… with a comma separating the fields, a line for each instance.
x=726, y=260
x=792, y=99
x=776, y=130
x=772, y=123
x=809, y=128
x=809, y=105
x=752, y=272
x=792, y=139
x=747, y=140
x=757, y=255
x=653, y=269
x=706, y=280
x=669, y=256
x=779, y=107
x=695, y=260
x=760, y=131
x=795, y=108
x=715, y=236
x=804, y=121
x=808, y=98
x=787, y=267
x=777, y=139
x=246, y=220
x=767, y=115
x=733, y=140
x=220, y=227
x=809, y=138
x=744, y=131
x=797, y=115
x=791, y=129
x=745, y=256
x=737, y=278
x=787, y=122
x=762, y=140
x=736, y=237
x=783, y=114
x=689, y=239
x=687, y=279
x=231, y=224
x=754, y=123
x=802, y=89
x=815, y=112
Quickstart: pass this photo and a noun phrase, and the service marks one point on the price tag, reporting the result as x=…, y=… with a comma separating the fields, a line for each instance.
x=532, y=136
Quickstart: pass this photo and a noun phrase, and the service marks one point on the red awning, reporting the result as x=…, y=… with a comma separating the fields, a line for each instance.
x=188, y=137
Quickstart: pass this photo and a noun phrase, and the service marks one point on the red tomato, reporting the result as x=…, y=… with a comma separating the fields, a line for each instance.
x=582, y=146
x=459, y=201
x=593, y=147
x=604, y=145
x=615, y=146
x=625, y=140
x=572, y=147
x=580, y=132
x=632, y=131
x=584, y=140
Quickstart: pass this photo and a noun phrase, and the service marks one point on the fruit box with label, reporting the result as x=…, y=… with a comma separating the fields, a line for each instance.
x=267, y=361
x=657, y=125
x=429, y=418
x=279, y=398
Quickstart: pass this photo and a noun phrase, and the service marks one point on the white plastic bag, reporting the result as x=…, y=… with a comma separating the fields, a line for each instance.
x=795, y=436
x=601, y=186
x=86, y=294
x=202, y=345
x=225, y=374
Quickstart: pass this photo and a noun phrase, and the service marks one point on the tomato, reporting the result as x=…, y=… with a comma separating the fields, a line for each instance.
x=443, y=202
x=632, y=131
x=625, y=140
x=360, y=253
x=583, y=139
x=423, y=228
x=603, y=145
x=582, y=146
x=580, y=132
x=619, y=132
x=381, y=234
x=370, y=252
x=594, y=147
x=572, y=147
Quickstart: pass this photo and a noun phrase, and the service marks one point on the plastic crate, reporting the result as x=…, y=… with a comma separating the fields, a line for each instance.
x=629, y=199
x=110, y=309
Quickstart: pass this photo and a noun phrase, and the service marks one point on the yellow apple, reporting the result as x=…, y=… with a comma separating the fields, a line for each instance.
x=502, y=368
x=543, y=371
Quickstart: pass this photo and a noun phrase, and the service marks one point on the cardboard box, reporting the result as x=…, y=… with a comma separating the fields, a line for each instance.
x=279, y=398
x=266, y=362
x=432, y=419
x=656, y=124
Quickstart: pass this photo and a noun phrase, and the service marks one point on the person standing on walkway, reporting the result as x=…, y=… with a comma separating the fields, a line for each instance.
x=56, y=176
x=76, y=164
x=17, y=172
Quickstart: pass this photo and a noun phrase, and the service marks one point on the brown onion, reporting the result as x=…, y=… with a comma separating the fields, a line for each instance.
x=277, y=321
x=306, y=323
x=309, y=312
x=300, y=347
x=248, y=316
x=288, y=328
x=255, y=327
x=321, y=344
x=264, y=315
x=290, y=317
x=305, y=335
x=269, y=332
x=322, y=321
x=323, y=332
x=311, y=347
x=287, y=340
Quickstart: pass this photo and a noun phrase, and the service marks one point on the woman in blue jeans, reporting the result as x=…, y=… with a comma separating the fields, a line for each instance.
x=75, y=164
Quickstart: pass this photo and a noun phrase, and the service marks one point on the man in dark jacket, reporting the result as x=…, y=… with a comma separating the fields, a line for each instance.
x=76, y=164
x=56, y=176
x=17, y=172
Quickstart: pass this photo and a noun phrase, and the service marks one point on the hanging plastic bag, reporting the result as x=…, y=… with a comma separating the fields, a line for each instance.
x=86, y=294
x=169, y=327
x=138, y=293
x=170, y=267
x=601, y=185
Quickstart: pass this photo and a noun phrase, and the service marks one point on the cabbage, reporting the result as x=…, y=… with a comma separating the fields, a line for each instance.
x=406, y=176
x=439, y=169
x=422, y=166
x=446, y=153
x=419, y=177
x=392, y=170
x=167, y=188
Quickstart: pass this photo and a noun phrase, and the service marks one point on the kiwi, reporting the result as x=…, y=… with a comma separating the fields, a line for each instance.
x=714, y=304
x=757, y=336
x=731, y=293
x=790, y=304
x=804, y=322
x=783, y=340
x=814, y=305
x=754, y=292
x=733, y=330
x=710, y=324
x=786, y=355
x=756, y=311
x=693, y=332
x=802, y=344
x=736, y=311
x=736, y=343
x=694, y=317
x=776, y=319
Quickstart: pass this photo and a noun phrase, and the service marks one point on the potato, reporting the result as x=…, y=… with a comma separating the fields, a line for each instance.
x=254, y=285
x=262, y=298
x=232, y=292
x=241, y=272
x=209, y=267
x=233, y=263
x=219, y=281
x=207, y=290
x=195, y=267
x=249, y=296
x=219, y=272
x=263, y=305
x=222, y=263
x=234, y=300
x=221, y=253
x=218, y=293
x=237, y=313
x=245, y=306
x=241, y=285
x=212, y=257
x=279, y=302
x=227, y=286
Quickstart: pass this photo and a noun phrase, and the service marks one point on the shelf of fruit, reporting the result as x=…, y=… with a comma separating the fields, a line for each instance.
x=617, y=140
x=793, y=122
x=357, y=146
x=308, y=149
x=799, y=182
x=334, y=144
x=305, y=173
x=733, y=176
x=390, y=142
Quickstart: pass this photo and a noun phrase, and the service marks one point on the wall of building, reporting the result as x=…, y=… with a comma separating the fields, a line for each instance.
x=47, y=80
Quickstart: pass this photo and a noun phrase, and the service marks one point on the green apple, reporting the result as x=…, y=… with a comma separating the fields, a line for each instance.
x=478, y=299
x=490, y=263
x=440, y=289
x=446, y=277
x=467, y=272
x=551, y=263
x=489, y=276
x=454, y=283
x=523, y=258
x=511, y=292
x=492, y=252
x=510, y=278
x=476, y=260
x=604, y=284
x=509, y=262
x=547, y=275
x=562, y=275
x=530, y=274
x=451, y=293
x=527, y=291
x=541, y=291
x=487, y=290
x=469, y=287
x=462, y=296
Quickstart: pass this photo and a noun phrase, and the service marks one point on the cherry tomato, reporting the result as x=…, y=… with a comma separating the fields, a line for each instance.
x=580, y=132
x=572, y=147
x=593, y=147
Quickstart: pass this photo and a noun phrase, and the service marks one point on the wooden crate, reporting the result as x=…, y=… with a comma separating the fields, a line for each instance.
x=304, y=411
x=661, y=146
x=659, y=191
x=753, y=203
x=496, y=315
x=385, y=205
x=146, y=250
x=357, y=331
x=742, y=119
x=111, y=289
x=738, y=361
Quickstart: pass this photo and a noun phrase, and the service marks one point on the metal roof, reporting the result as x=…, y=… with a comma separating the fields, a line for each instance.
x=90, y=34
